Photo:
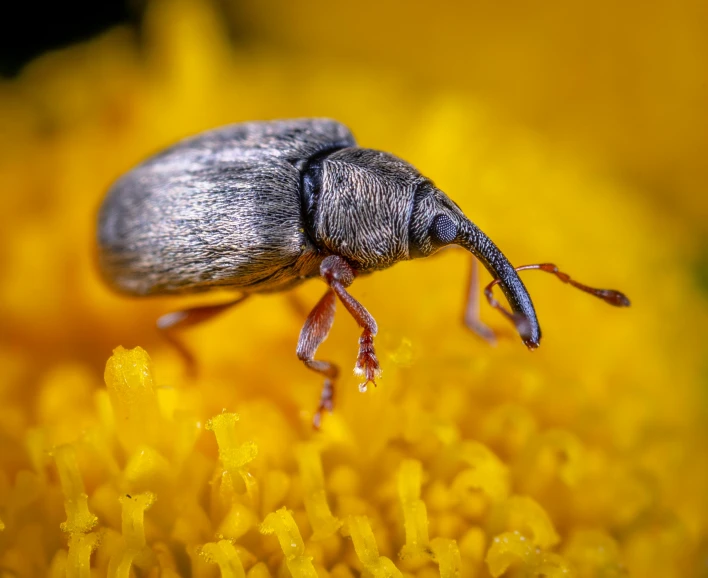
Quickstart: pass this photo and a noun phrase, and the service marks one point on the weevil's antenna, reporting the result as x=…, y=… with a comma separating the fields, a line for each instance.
x=610, y=296
x=522, y=314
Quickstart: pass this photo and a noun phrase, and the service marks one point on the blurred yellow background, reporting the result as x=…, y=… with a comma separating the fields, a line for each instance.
x=568, y=133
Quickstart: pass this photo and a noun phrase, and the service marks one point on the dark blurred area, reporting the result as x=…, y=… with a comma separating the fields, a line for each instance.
x=27, y=29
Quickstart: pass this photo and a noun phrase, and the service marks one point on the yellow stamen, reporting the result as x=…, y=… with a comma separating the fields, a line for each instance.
x=225, y=555
x=323, y=523
x=282, y=524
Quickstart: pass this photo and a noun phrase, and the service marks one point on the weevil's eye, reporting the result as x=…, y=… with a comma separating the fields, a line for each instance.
x=443, y=230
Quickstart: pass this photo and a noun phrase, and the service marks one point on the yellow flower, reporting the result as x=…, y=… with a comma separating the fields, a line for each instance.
x=584, y=458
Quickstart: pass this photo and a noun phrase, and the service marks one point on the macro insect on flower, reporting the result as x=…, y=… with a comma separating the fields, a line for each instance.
x=260, y=207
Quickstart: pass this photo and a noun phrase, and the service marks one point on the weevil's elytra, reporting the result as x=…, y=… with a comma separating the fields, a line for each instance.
x=260, y=207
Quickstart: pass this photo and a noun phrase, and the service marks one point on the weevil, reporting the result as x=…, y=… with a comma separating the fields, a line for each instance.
x=260, y=207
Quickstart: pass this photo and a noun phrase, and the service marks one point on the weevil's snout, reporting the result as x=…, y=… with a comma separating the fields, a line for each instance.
x=532, y=342
x=528, y=330
x=436, y=221
x=522, y=314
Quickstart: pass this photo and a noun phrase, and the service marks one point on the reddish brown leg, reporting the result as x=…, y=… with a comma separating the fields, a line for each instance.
x=313, y=333
x=171, y=322
x=297, y=305
x=610, y=296
x=474, y=298
x=339, y=274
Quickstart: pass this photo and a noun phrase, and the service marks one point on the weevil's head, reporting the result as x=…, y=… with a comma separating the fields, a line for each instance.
x=375, y=209
x=436, y=221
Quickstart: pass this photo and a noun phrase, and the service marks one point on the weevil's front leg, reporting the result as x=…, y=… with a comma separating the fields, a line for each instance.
x=474, y=299
x=339, y=275
x=313, y=333
x=177, y=320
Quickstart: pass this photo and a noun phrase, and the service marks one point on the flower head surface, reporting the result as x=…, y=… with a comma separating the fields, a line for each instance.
x=583, y=458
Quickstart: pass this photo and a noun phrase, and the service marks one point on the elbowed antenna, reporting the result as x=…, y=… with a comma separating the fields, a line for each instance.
x=524, y=318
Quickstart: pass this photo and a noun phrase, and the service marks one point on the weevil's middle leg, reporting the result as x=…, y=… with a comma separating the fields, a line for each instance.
x=339, y=275
x=169, y=323
x=313, y=333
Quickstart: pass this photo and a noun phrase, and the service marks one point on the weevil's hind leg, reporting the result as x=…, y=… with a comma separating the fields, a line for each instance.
x=339, y=274
x=297, y=305
x=313, y=333
x=474, y=299
x=195, y=315
x=173, y=322
x=190, y=362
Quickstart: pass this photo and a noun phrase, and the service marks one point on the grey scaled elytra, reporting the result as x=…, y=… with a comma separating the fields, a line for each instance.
x=260, y=207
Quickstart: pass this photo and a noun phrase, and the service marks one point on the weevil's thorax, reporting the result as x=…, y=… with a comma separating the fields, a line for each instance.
x=358, y=205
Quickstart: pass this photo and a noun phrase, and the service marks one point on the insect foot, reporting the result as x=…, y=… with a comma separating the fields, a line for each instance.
x=326, y=404
x=366, y=363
